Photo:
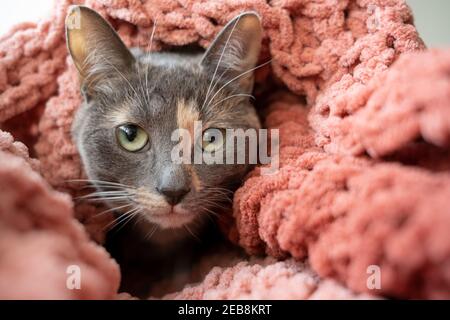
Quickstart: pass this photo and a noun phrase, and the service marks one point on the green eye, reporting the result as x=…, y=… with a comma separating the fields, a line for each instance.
x=131, y=137
x=213, y=139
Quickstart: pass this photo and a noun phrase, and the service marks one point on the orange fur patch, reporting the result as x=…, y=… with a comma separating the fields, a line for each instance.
x=195, y=180
x=186, y=116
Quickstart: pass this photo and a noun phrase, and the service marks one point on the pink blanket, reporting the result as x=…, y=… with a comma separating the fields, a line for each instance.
x=364, y=119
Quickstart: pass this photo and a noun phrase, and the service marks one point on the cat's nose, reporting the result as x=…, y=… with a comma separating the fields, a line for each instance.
x=173, y=195
x=173, y=184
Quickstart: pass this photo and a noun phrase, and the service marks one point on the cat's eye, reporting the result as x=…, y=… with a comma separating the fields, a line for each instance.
x=213, y=139
x=131, y=137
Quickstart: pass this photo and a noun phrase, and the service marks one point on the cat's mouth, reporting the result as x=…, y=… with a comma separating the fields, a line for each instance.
x=156, y=210
x=170, y=217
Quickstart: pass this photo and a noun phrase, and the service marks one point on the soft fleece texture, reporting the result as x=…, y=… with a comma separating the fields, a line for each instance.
x=364, y=173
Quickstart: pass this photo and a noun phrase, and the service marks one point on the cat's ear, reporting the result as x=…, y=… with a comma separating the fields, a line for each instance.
x=235, y=51
x=96, y=49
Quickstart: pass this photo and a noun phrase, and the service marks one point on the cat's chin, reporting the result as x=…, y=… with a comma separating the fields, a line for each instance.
x=170, y=218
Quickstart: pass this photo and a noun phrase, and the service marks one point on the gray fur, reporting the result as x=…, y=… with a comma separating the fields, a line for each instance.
x=147, y=94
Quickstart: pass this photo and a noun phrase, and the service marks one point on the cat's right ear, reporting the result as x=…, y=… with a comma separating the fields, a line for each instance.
x=96, y=49
x=235, y=51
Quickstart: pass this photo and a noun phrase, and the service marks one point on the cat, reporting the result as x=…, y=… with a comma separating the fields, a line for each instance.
x=133, y=101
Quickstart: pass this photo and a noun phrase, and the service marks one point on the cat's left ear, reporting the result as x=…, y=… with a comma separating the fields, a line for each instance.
x=235, y=51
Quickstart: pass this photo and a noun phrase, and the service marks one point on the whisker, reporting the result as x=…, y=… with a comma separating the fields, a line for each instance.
x=121, y=218
x=152, y=35
x=101, y=182
x=210, y=211
x=237, y=77
x=112, y=199
x=110, y=188
x=190, y=231
x=218, y=80
x=233, y=96
x=213, y=205
x=219, y=195
x=218, y=63
x=113, y=209
x=151, y=233
x=144, y=88
x=104, y=194
x=219, y=190
x=127, y=220
x=210, y=216
x=122, y=75
x=216, y=83
x=212, y=187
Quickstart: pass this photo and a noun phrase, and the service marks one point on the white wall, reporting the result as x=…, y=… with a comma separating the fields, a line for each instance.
x=15, y=11
x=432, y=17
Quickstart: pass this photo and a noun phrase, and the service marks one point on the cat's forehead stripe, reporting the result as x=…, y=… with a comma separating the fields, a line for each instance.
x=187, y=114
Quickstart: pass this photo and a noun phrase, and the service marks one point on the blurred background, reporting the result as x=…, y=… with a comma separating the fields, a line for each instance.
x=432, y=17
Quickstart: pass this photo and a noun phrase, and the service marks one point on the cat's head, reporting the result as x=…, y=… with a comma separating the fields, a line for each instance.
x=135, y=102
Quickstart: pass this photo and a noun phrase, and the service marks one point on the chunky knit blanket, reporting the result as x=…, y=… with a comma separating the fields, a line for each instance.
x=363, y=111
